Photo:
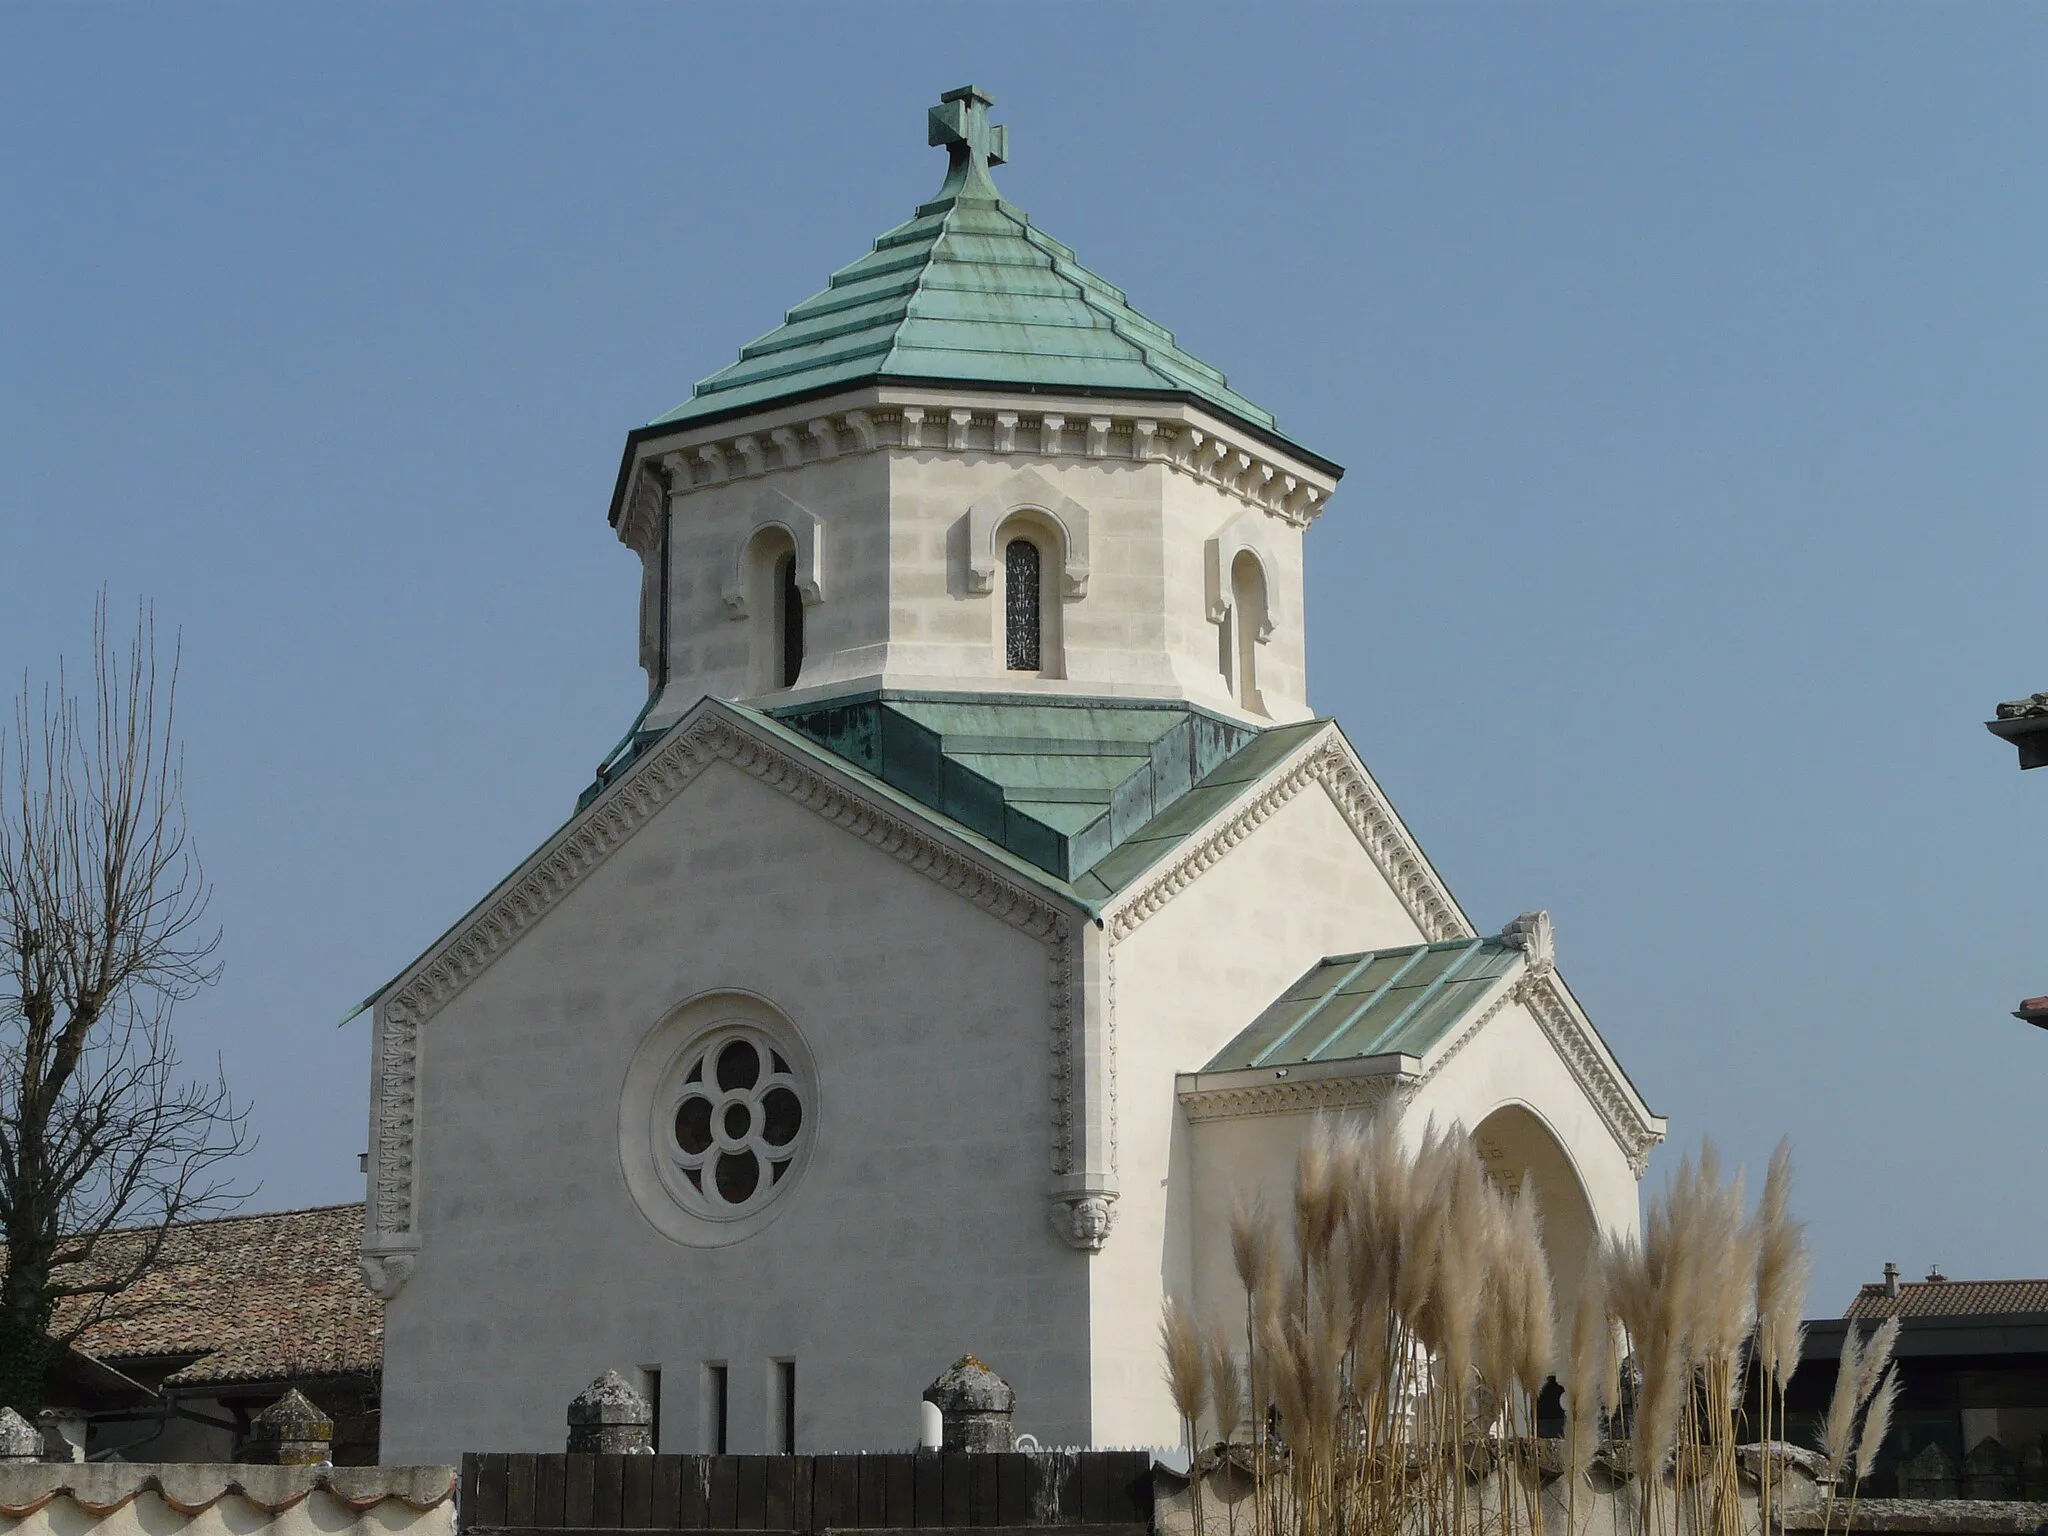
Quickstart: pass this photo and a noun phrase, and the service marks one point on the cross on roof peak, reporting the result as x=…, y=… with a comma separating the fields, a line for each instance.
x=973, y=143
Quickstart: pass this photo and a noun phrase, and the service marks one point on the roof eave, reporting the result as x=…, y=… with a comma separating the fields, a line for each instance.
x=1278, y=442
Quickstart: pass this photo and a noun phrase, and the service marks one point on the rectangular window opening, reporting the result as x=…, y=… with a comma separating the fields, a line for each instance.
x=717, y=1402
x=785, y=1402
x=650, y=1388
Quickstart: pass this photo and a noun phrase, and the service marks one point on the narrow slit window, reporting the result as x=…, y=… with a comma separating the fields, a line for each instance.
x=719, y=1404
x=785, y=1392
x=650, y=1388
x=789, y=610
x=1022, y=625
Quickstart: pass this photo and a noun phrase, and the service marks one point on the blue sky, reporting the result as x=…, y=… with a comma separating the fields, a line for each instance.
x=1689, y=365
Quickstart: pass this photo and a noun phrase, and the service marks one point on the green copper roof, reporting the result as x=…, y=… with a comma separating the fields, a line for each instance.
x=1061, y=784
x=968, y=291
x=1379, y=1003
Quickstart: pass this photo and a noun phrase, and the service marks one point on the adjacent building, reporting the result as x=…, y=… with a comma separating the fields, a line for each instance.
x=233, y=1314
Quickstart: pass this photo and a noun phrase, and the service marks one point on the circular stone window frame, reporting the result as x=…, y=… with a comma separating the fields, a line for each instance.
x=647, y=1106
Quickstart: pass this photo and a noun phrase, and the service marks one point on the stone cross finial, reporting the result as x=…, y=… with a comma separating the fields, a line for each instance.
x=19, y=1439
x=973, y=143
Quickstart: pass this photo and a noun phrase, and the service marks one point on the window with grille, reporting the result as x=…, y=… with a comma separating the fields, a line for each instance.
x=1023, y=647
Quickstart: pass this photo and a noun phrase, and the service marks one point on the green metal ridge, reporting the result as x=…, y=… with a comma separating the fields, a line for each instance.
x=966, y=291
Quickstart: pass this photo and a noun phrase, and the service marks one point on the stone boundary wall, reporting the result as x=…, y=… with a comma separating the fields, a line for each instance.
x=216, y=1498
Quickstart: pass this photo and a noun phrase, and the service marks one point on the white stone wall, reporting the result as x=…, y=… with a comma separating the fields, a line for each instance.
x=1187, y=980
x=898, y=603
x=918, y=1232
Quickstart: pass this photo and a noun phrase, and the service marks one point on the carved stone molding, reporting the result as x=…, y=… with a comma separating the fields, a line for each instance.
x=1293, y=1096
x=1027, y=491
x=806, y=530
x=1084, y=1221
x=1326, y=761
x=1560, y=1019
x=711, y=734
x=1239, y=469
x=1534, y=936
x=1243, y=534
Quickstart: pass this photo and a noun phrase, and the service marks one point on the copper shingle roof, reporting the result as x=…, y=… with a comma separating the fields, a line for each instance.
x=1951, y=1298
x=257, y=1298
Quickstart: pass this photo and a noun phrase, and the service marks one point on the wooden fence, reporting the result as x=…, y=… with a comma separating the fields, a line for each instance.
x=1083, y=1492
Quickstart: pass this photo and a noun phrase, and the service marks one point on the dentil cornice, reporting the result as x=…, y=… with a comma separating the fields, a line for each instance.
x=1234, y=464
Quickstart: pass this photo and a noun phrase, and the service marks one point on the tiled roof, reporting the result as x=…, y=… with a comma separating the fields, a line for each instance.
x=967, y=291
x=1951, y=1298
x=257, y=1298
x=1378, y=1003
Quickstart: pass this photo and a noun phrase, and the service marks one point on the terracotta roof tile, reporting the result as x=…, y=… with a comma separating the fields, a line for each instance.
x=1951, y=1298
x=257, y=1298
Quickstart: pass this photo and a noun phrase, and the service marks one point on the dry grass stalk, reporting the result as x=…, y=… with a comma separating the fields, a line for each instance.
x=1404, y=1328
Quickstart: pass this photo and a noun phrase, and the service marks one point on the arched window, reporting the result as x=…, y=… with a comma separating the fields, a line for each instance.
x=1023, y=616
x=789, y=622
x=774, y=610
x=1246, y=623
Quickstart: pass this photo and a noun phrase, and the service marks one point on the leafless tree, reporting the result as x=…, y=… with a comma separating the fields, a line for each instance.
x=102, y=934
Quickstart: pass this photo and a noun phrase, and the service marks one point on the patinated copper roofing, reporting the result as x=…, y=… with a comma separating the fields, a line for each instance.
x=272, y=1297
x=1951, y=1298
x=969, y=291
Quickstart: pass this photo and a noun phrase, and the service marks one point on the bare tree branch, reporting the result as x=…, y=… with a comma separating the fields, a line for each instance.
x=102, y=933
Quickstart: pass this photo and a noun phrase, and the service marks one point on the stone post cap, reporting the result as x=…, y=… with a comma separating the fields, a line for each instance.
x=971, y=1387
x=293, y=1417
x=19, y=1439
x=609, y=1400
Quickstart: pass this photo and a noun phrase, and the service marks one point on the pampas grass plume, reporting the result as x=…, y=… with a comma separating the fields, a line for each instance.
x=1877, y=1422
x=1589, y=1363
x=1226, y=1384
x=1253, y=1249
x=1838, y=1424
x=1186, y=1369
x=1876, y=1356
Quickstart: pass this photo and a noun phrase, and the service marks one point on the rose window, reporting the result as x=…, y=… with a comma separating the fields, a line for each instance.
x=737, y=1123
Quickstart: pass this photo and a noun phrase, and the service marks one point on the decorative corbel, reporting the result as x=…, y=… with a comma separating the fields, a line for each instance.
x=1144, y=439
x=913, y=426
x=863, y=426
x=1084, y=1221
x=712, y=457
x=1006, y=432
x=1098, y=437
x=1049, y=430
x=957, y=423
x=785, y=438
x=827, y=437
x=385, y=1270
x=748, y=447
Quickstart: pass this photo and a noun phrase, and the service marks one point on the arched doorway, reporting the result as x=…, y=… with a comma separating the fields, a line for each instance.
x=1522, y=1155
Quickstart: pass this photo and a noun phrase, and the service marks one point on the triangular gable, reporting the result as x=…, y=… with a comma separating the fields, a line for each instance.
x=713, y=731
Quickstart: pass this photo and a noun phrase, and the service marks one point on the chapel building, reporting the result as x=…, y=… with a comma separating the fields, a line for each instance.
x=977, y=906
